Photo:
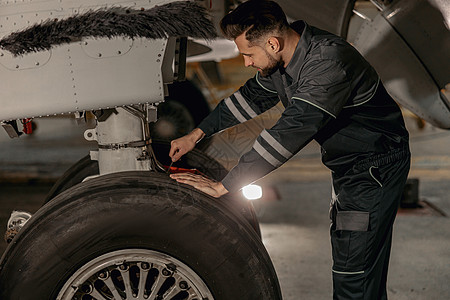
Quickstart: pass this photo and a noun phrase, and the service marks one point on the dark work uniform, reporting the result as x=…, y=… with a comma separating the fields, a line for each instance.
x=331, y=94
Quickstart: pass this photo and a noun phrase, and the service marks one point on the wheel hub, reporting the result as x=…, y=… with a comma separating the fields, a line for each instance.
x=135, y=274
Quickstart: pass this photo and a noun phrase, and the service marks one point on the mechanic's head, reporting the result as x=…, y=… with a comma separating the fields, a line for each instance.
x=257, y=27
x=255, y=18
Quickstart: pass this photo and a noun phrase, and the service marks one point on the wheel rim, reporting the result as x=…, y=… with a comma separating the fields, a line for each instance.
x=135, y=274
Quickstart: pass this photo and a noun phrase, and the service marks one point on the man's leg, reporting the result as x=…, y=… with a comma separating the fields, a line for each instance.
x=361, y=233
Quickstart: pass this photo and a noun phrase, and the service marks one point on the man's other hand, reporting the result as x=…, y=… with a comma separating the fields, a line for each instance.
x=184, y=144
x=206, y=185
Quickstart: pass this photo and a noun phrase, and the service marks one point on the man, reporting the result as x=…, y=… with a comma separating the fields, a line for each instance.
x=331, y=94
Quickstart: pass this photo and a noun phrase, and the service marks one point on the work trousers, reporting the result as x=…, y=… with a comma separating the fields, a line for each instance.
x=363, y=208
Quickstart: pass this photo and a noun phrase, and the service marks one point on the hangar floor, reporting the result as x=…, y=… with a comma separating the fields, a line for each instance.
x=293, y=212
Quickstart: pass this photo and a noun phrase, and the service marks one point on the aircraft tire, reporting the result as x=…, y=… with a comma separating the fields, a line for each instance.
x=102, y=238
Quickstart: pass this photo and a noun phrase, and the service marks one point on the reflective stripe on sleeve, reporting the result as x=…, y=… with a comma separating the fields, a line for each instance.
x=229, y=103
x=266, y=155
x=244, y=104
x=275, y=144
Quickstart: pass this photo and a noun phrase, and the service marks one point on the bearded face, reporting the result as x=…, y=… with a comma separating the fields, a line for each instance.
x=256, y=56
x=272, y=66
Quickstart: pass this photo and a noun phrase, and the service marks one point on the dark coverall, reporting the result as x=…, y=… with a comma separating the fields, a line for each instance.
x=331, y=94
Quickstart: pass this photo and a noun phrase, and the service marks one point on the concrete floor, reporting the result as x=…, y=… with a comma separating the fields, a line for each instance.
x=293, y=215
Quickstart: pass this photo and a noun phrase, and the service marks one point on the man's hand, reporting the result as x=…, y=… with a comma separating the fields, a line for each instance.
x=184, y=144
x=206, y=185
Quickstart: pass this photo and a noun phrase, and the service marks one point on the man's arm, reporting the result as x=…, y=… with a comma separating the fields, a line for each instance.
x=296, y=128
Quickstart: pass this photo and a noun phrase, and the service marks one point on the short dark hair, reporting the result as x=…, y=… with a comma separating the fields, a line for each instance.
x=256, y=18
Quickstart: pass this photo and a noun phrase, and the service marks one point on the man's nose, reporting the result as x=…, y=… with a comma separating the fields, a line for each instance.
x=247, y=61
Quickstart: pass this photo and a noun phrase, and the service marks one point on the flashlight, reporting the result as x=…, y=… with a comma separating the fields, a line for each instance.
x=252, y=192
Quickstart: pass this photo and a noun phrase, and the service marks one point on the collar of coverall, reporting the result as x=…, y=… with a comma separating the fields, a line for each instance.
x=297, y=59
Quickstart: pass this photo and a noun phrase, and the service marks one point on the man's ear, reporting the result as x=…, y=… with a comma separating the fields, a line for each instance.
x=273, y=44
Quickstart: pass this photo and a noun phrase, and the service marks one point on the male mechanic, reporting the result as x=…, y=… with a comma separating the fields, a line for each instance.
x=332, y=95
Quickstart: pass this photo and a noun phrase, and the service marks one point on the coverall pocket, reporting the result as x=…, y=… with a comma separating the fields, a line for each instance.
x=349, y=241
x=352, y=220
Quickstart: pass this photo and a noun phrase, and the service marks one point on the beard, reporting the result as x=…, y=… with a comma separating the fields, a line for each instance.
x=271, y=67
